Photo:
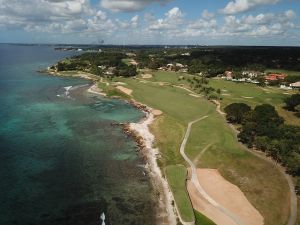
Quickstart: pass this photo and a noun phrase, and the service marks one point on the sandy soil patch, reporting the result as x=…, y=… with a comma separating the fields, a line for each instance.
x=147, y=76
x=201, y=205
x=119, y=83
x=124, y=90
x=156, y=112
x=227, y=195
x=161, y=84
x=133, y=62
x=96, y=90
x=246, y=97
x=226, y=94
x=194, y=95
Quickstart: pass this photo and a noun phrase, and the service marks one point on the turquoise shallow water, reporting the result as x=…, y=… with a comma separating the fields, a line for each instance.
x=61, y=161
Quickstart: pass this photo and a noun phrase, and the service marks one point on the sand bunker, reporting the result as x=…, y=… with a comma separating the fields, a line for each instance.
x=124, y=90
x=246, y=97
x=227, y=195
x=119, y=83
x=156, y=112
x=147, y=76
x=96, y=90
x=194, y=95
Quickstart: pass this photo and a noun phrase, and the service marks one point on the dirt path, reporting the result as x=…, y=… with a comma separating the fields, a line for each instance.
x=293, y=196
x=195, y=181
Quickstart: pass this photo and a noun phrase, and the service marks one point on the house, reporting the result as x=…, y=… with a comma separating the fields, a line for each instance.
x=282, y=86
x=130, y=54
x=228, y=75
x=103, y=67
x=186, y=54
x=170, y=66
x=179, y=65
x=251, y=74
x=295, y=85
x=275, y=76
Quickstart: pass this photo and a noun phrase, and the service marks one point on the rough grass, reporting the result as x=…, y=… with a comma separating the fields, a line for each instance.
x=176, y=176
x=263, y=185
x=260, y=181
x=202, y=220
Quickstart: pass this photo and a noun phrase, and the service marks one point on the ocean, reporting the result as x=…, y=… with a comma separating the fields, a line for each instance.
x=61, y=159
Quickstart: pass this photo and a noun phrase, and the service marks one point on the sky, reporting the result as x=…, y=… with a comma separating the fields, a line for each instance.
x=201, y=22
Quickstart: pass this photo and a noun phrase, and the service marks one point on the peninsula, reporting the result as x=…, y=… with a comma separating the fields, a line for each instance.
x=221, y=139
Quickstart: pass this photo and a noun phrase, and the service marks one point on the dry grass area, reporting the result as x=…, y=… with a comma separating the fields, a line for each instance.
x=127, y=91
x=227, y=195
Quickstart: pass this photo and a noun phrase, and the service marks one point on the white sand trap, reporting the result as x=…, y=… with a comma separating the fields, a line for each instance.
x=119, y=83
x=124, y=90
x=246, y=97
x=133, y=62
x=227, y=195
x=147, y=76
x=194, y=95
x=156, y=112
x=96, y=90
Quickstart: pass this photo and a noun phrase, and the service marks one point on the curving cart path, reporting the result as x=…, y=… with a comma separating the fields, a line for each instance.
x=195, y=181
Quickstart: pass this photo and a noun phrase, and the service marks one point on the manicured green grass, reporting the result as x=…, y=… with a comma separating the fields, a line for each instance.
x=112, y=91
x=261, y=182
x=202, y=220
x=253, y=95
x=176, y=176
x=170, y=77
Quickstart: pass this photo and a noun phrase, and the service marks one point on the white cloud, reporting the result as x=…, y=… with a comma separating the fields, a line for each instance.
x=207, y=15
x=259, y=25
x=238, y=6
x=128, y=5
x=173, y=18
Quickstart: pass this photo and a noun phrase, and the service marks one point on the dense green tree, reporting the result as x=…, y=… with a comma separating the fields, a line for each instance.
x=292, y=102
x=235, y=112
x=266, y=119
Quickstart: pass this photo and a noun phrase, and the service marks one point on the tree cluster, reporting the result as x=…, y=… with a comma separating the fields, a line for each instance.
x=98, y=63
x=292, y=102
x=262, y=128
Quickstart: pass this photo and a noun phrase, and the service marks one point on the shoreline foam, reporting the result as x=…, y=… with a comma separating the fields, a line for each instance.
x=145, y=139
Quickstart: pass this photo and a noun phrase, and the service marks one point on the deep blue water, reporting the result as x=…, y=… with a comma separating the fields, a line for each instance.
x=61, y=161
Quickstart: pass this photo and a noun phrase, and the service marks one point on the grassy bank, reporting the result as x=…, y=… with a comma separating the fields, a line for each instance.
x=176, y=176
x=261, y=182
x=202, y=220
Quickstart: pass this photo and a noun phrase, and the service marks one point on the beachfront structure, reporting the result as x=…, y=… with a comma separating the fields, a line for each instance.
x=275, y=76
x=295, y=85
x=252, y=74
x=228, y=75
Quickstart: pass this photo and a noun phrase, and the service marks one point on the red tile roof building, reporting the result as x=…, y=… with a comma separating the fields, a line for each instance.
x=274, y=76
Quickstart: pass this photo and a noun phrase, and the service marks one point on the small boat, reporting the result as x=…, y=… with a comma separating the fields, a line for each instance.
x=102, y=217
